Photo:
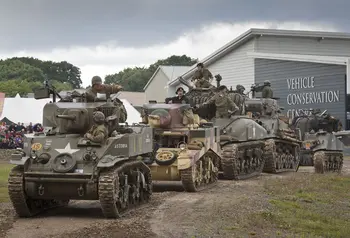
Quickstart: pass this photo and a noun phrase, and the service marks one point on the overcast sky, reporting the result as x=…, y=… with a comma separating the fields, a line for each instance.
x=104, y=36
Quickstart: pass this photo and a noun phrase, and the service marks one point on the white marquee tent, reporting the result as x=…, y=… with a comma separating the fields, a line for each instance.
x=26, y=110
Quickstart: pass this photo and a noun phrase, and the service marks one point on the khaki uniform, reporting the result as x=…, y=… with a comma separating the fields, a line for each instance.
x=203, y=76
x=99, y=133
x=223, y=104
x=91, y=93
x=267, y=92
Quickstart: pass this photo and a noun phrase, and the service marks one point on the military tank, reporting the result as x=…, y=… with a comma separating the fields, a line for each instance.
x=321, y=148
x=282, y=144
x=184, y=149
x=60, y=165
x=241, y=138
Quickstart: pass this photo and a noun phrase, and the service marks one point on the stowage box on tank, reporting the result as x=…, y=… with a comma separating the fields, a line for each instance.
x=60, y=164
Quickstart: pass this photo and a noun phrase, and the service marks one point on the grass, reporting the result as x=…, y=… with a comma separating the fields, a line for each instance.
x=4, y=171
x=307, y=205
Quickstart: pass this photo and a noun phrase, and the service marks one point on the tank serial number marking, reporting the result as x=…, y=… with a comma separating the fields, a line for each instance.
x=120, y=146
x=36, y=146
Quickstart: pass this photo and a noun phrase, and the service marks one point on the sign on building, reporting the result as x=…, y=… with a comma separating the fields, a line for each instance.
x=303, y=86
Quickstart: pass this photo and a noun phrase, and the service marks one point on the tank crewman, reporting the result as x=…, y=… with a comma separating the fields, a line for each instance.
x=224, y=104
x=267, y=91
x=98, y=87
x=202, y=76
x=98, y=132
x=180, y=98
x=240, y=89
x=239, y=98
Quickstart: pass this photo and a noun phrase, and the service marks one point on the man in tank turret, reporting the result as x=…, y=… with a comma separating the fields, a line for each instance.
x=180, y=98
x=98, y=87
x=224, y=104
x=202, y=76
x=98, y=132
x=240, y=89
x=267, y=91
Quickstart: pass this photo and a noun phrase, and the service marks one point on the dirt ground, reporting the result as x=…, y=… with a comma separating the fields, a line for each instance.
x=216, y=212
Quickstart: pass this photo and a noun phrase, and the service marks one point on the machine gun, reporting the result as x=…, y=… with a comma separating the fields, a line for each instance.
x=46, y=91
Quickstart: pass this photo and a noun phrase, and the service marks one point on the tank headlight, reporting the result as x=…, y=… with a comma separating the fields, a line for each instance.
x=183, y=146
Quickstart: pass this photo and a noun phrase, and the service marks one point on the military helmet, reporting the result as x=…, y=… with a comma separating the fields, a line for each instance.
x=239, y=86
x=98, y=117
x=222, y=87
x=96, y=80
x=267, y=82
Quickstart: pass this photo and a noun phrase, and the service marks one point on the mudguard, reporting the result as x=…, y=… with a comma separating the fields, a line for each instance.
x=18, y=159
x=108, y=161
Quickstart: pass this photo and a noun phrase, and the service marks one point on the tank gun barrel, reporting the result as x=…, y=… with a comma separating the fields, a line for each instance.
x=67, y=117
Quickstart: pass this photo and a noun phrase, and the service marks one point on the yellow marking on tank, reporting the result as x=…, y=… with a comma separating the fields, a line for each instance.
x=36, y=146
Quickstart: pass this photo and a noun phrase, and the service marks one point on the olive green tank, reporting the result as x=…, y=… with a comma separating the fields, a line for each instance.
x=241, y=138
x=321, y=147
x=60, y=164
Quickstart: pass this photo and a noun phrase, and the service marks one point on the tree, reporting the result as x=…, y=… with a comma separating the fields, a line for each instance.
x=63, y=71
x=174, y=60
x=134, y=79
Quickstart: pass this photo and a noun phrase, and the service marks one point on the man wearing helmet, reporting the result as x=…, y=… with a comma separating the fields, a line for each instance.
x=98, y=132
x=224, y=104
x=240, y=89
x=267, y=91
x=98, y=87
x=202, y=76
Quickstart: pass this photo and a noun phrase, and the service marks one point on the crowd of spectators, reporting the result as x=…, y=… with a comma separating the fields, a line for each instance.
x=11, y=136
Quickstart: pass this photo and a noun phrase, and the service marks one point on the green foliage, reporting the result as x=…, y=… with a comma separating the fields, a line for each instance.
x=62, y=72
x=134, y=79
x=4, y=172
x=23, y=75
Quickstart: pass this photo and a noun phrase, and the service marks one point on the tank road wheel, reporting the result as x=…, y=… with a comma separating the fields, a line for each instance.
x=124, y=187
x=23, y=205
x=242, y=161
x=202, y=174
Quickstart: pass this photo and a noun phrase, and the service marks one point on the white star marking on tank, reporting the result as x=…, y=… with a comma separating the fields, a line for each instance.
x=67, y=149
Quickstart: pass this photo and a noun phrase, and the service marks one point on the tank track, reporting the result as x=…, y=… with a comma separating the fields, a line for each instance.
x=328, y=161
x=121, y=188
x=281, y=156
x=243, y=160
x=306, y=159
x=23, y=205
x=193, y=181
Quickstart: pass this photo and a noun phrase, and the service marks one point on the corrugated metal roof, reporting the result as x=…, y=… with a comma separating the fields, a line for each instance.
x=253, y=32
x=171, y=71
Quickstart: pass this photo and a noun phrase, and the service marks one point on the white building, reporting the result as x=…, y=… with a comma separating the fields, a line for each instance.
x=282, y=55
x=157, y=86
